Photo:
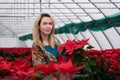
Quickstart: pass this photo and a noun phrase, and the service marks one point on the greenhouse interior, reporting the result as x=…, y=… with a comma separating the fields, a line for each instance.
x=88, y=32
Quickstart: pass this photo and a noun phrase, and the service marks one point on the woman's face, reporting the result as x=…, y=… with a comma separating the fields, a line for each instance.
x=46, y=25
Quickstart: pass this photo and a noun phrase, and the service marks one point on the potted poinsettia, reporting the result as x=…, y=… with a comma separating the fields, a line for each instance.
x=77, y=60
x=62, y=70
x=98, y=64
x=79, y=51
x=108, y=64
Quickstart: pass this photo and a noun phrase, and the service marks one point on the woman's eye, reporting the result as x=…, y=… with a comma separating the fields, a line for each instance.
x=50, y=23
x=45, y=23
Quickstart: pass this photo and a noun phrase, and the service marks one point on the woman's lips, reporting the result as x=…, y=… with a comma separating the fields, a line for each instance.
x=48, y=30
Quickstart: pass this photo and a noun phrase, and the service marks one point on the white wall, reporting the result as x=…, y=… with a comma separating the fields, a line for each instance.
x=10, y=42
x=29, y=43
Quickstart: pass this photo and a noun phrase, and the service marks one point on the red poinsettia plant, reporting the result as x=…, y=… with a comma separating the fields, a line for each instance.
x=19, y=69
x=58, y=71
x=75, y=49
x=98, y=64
x=69, y=61
x=76, y=57
x=107, y=63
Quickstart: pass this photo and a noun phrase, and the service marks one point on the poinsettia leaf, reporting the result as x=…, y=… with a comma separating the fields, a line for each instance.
x=91, y=62
x=4, y=54
x=98, y=77
x=79, y=51
x=90, y=47
x=63, y=51
x=87, y=68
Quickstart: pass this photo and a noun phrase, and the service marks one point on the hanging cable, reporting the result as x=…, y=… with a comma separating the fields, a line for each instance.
x=40, y=6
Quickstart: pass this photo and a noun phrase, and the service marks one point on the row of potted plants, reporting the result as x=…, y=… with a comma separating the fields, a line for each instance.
x=76, y=61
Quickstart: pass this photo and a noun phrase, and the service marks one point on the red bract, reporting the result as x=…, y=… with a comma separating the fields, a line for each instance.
x=107, y=58
x=61, y=47
x=97, y=53
x=19, y=68
x=54, y=78
x=115, y=56
x=69, y=46
x=117, y=77
x=16, y=50
x=81, y=43
x=19, y=50
x=68, y=67
x=62, y=67
x=4, y=64
x=46, y=69
x=23, y=74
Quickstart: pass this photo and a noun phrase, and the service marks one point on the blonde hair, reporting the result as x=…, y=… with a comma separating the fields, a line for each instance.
x=37, y=34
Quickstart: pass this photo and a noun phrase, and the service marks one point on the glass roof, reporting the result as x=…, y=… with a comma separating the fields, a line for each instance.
x=17, y=16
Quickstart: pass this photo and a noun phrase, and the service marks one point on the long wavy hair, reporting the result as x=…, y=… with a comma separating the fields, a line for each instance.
x=37, y=38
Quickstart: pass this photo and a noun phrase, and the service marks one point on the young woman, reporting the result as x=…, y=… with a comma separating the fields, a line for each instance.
x=44, y=48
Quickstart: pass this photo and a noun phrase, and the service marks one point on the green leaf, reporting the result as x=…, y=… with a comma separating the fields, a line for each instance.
x=87, y=68
x=90, y=47
x=92, y=62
